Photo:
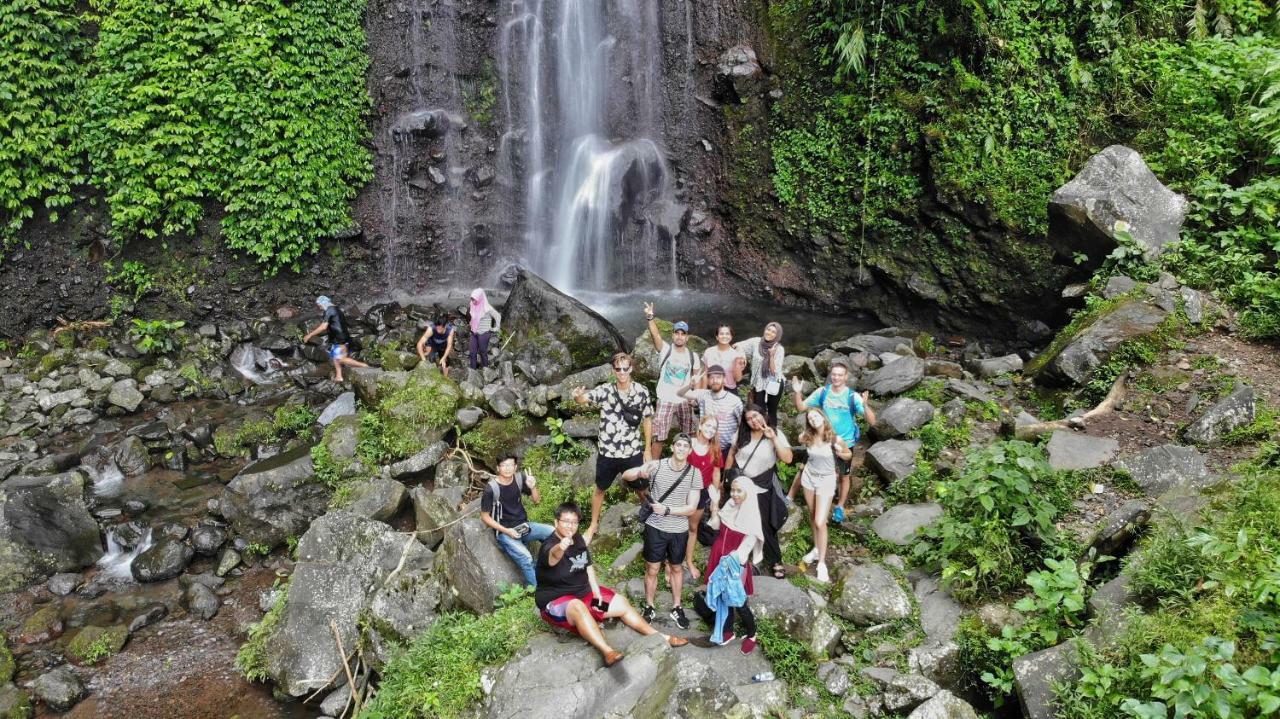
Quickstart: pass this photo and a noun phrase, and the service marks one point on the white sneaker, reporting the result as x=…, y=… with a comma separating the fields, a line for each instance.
x=822, y=573
x=812, y=555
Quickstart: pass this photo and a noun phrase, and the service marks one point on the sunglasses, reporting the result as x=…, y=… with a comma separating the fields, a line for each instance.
x=622, y=369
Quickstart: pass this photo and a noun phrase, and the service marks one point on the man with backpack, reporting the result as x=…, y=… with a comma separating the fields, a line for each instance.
x=625, y=413
x=502, y=510
x=676, y=365
x=341, y=343
x=842, y=406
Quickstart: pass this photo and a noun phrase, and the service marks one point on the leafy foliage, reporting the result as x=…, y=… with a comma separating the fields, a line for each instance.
x=251, y=659
x=156, y=336
x=438, y=675
x=998, y=519
x=40, y=61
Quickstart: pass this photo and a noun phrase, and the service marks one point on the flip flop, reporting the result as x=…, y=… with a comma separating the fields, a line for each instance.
x=779, y=571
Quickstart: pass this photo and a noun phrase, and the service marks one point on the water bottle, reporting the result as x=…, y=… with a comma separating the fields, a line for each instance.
x=763, y=677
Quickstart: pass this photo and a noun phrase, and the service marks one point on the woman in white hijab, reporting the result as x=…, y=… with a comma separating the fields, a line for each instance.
x=741, y=533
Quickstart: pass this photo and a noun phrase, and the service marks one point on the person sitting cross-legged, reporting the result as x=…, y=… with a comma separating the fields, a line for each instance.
x=502, y=510
x=569, y=595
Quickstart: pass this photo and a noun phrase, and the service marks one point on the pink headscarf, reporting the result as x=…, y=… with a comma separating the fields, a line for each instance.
x=479, y=307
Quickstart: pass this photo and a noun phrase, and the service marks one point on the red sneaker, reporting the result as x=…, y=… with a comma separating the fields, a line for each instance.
x=748, y=645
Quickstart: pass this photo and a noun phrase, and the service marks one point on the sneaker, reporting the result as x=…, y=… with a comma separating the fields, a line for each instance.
x=728, y=637
x=748, y=645
x=677, y=616
x=648, y=613
x=822, y=573
x=812, y=555
x=837, y=514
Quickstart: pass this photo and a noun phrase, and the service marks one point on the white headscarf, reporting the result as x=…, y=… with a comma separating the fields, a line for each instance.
x=745, y=518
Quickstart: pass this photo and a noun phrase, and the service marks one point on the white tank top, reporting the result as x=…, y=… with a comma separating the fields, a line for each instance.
x=822, y=460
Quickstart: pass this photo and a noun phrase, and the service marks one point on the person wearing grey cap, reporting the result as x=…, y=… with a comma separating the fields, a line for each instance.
x=339, y=336
x=676, y=365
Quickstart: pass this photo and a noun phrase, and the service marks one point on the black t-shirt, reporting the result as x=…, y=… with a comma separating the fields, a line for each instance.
x=439, y=341
x=512, y=508
x=568, y=576
x=338, y=334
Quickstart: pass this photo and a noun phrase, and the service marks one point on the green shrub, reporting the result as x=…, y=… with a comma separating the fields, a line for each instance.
x=495, y=436
x=294, y=419
x=156, y=337
x=258, y=105
x=438, y=675
x=792, y=661
x=251, y=658
x=408, y=415
x=40, y=60
x=133, y=279
x=998, y=519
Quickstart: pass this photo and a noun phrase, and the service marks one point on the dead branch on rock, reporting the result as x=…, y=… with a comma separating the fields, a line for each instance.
x=1108, y=405
x=79, y=325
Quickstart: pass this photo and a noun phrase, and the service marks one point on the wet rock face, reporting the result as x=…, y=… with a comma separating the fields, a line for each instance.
x=535, y=307
x=165, y=559
x=45, y=527
x=274, y=498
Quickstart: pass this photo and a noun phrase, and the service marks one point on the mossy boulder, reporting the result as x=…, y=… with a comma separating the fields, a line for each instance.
x=416, y=407
x=14, y=703
x=45, y=528
x=495, y=436
x=1085, y=345
x=7, y=664
x=535, y=308
x=93, y=644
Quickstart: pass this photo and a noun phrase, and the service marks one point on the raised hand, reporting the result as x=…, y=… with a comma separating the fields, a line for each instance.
x=797, y=384
x=648, y=310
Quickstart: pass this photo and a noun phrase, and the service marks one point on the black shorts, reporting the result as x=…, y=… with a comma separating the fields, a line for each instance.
x=660, y=546
x=843, y=466
x=704, y=498
x=608, y=468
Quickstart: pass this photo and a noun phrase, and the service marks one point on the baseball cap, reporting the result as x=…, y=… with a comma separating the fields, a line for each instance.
x=680, y=326
x=715, y=369
x=324, y=301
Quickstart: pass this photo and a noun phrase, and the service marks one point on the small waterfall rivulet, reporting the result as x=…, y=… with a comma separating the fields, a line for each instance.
x=580, y=84
x=116, y=562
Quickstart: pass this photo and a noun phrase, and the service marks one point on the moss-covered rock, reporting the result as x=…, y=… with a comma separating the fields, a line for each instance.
x=1085, y=345
x=7, y=664
x=495, y=436
x=416, y=408
x=93, y=644
x=14, y=703
x=535, y=308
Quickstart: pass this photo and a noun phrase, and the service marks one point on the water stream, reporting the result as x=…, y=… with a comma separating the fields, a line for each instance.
x=594, y=188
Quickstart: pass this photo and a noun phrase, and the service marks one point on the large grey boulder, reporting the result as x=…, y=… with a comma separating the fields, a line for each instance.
x=274, y=498
x=343, y=406
x=994, y=366
x=1073, y=450
x=939, y=612
x=903, y=416
x=1235, y=410
x=164, y=559
x=868, y=594
x=559, y=676
x=477, y=569
x=739, y=67
x=45, y=528
x=893, y=459
x=60, y=688
x=1114, y=186
x=125, y=395
x=900, y=523
x=1160, y=469
x=895, y=377
x=432, y=513
x=378, y=498
x=801, y=614
x=944, y=705
x=374, y=584
x=534, y=308
x=1035, y=674
x=1090, y=346
x=901, y=691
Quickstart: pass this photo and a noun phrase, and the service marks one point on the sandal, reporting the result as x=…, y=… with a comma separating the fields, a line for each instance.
x=779, y=571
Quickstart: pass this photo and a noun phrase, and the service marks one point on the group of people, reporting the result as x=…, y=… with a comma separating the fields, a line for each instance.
x=436, y=343
x=720, y=481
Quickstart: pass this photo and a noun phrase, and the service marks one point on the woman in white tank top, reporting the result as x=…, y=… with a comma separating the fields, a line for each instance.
x=818, y=479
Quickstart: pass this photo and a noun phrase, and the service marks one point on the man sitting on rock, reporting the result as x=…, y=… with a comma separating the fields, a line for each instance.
x=502, y=510
x=571, y=597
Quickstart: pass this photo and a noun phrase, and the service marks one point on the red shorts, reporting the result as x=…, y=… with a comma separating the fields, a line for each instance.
x=556, y=613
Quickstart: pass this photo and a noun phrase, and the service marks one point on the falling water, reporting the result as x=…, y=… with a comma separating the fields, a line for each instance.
x=116, y=562
x=107, y=479
x=610, y=221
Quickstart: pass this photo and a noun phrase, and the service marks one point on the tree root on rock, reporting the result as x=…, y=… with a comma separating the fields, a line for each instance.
x=1108, y=405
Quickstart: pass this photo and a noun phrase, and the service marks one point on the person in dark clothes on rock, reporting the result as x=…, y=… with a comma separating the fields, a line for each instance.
x=437, y=343
x=569, y=595
x=335, y=323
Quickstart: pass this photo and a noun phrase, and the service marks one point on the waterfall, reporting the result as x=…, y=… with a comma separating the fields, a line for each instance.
x=116, y=562
x=595, y=191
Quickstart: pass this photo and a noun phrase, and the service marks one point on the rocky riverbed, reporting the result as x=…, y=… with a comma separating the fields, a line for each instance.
x=154, y=507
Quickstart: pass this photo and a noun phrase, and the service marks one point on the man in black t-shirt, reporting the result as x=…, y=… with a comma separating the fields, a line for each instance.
x=571, y=598
x=502, y=510
x=335, y=323
x=437, y=343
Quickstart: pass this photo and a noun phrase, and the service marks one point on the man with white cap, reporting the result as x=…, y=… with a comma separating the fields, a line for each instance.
x=339, y=336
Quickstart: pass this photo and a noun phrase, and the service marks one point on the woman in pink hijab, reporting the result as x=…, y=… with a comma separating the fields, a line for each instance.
x=485, y=322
